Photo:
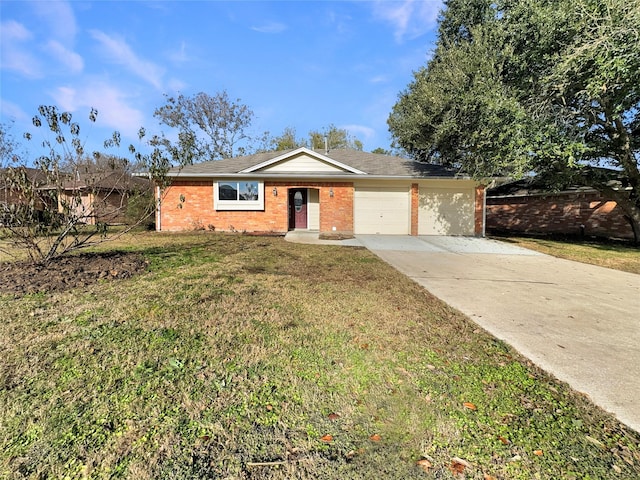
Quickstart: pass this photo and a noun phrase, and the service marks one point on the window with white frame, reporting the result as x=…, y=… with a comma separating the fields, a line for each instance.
x=238, y=195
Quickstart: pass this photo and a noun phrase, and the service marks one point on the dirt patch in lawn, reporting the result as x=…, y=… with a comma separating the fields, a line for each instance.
x=69, y=272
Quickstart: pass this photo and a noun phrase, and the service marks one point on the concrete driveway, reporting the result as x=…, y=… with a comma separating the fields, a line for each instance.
x=579, y=322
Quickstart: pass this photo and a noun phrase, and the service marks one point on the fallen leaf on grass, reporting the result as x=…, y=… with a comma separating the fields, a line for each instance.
x=538, y=452
x=375, y=437
x=470, y=406
x=505, y=441
x=594, y=441
x=327, y=438
x=458, y=465
x=424, y=464
x=333, y=416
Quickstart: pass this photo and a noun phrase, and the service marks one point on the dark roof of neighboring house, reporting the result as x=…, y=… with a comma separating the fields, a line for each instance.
x=370, y=163
x=118, y=181
x=536, y=185
x=34, y=175
x=525, y=186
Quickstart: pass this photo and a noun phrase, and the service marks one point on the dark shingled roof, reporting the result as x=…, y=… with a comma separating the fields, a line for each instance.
x=370, y=163
x=112, y=181
x=34, y=175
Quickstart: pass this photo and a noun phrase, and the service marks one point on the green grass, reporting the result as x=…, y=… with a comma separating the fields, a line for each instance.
x=617, y=256
x=235, y=356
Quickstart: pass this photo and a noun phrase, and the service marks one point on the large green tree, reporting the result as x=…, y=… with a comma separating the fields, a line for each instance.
x=209, y=127
x=287, y=140
x=549, y=86
x=335, y=137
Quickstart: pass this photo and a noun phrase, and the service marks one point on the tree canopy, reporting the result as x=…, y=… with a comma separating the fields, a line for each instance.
x=209, y=127
x=336, y=138
x=545, y=86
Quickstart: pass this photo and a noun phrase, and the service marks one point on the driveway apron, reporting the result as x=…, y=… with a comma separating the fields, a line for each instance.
x=579, y=322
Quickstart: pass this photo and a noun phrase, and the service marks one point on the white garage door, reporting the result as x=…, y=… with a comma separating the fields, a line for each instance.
x=382, y=210
x=445, y=211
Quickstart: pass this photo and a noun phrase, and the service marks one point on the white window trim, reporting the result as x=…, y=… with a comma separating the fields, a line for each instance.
x=221, y=205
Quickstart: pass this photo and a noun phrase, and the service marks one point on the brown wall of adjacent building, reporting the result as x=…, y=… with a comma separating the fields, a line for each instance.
x=572, y=213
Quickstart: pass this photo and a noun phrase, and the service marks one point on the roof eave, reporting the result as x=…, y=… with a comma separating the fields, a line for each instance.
x=282, y=176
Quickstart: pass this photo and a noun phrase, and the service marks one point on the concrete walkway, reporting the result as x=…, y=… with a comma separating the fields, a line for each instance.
x=579, y=322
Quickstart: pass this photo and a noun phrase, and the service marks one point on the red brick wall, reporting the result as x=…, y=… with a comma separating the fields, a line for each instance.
x=479, y=212
x=415, y=208
x=336, y=211
x=197, y=210
x=558, y=214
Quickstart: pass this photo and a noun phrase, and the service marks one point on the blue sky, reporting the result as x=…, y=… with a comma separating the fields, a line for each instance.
x=302, y=64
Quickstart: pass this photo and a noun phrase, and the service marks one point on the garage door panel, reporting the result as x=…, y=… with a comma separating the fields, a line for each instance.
x=382, y=211
x=445, y=212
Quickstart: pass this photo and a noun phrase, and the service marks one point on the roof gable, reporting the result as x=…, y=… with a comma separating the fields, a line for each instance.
x=302, y=160
x=308, y=163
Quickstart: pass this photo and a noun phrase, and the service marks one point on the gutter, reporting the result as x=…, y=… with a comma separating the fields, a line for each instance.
x=313, y=176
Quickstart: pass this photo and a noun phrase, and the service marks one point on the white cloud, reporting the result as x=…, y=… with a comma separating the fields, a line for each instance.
x=409, y=18
x=113, y=110
x=271, y=27
x=68, y=58
x=379, y=79
x=121, y=53
x=13, y=54
x=360, y=131
x=60, y=18
x=12, y=111
x=12, y=30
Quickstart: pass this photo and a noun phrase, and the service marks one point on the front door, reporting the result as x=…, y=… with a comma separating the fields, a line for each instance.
x=298, y=208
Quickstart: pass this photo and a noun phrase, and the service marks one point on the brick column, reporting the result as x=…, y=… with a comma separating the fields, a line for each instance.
x=479, y=212
x=415, y=191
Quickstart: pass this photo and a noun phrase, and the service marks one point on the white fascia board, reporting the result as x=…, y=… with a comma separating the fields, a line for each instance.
x=298, y=151
x=293, y=175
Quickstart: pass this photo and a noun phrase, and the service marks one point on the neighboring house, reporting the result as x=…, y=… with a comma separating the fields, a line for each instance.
x=100, y=197
x=527, y=206
x=12, y=195
x=337, y=193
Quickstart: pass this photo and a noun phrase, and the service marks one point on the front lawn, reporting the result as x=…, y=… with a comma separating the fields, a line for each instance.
x=618, y=256
x=248, y=357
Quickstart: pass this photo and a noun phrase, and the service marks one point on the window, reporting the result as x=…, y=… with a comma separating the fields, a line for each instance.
x=238, y=195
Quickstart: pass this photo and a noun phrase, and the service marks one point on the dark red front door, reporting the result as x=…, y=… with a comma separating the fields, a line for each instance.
x=298, y=208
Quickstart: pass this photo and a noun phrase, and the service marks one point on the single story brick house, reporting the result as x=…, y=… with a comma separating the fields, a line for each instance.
x=337, y=193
